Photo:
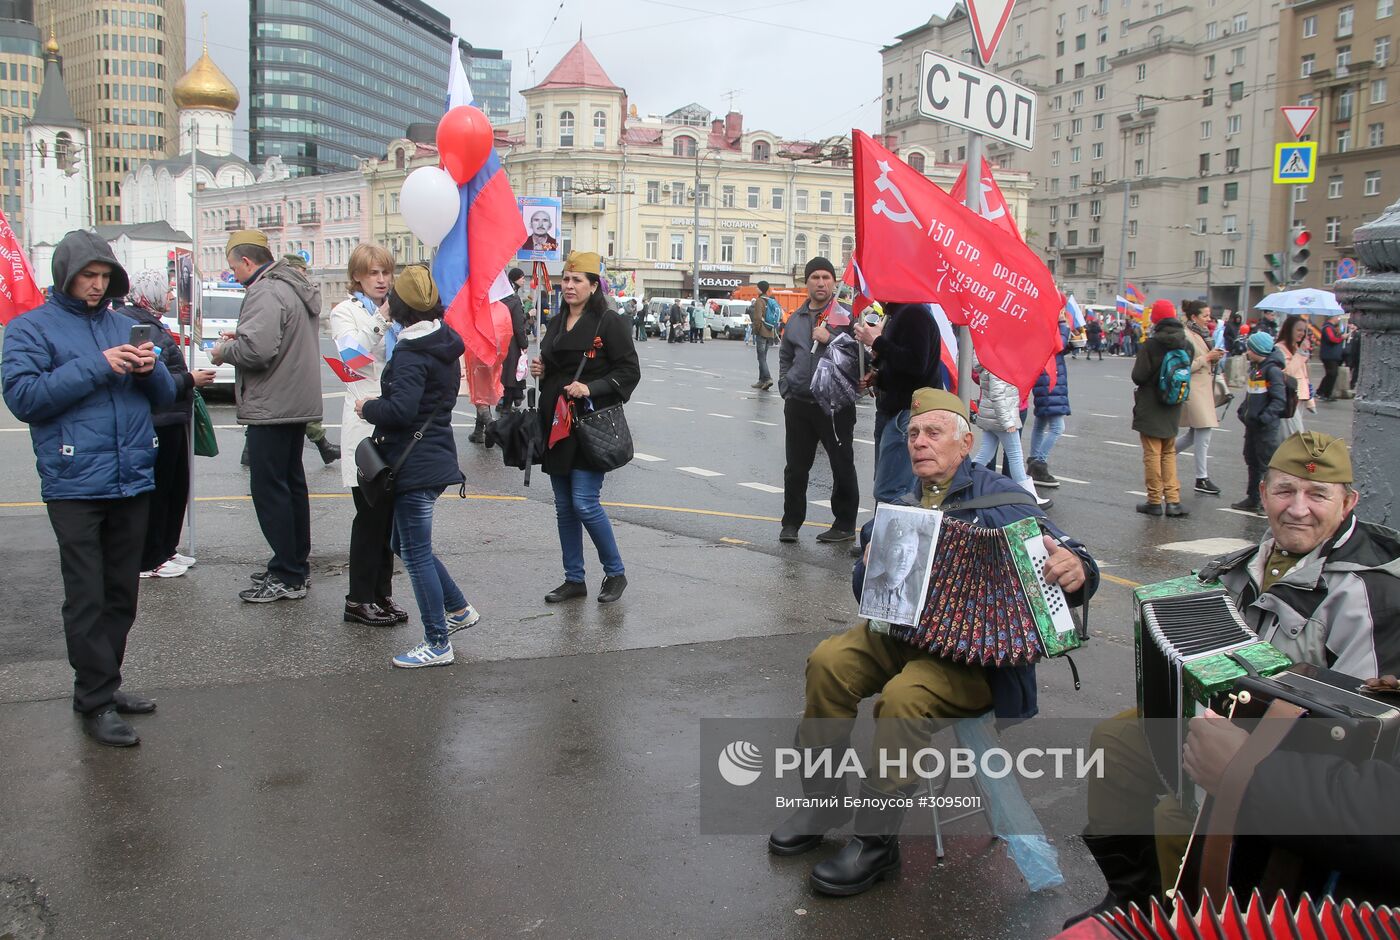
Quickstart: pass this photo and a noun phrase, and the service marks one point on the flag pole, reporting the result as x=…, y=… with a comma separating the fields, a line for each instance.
x=972, y=198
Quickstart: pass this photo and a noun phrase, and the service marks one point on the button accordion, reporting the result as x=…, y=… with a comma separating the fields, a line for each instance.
x=1192, y=645
x=985, y=600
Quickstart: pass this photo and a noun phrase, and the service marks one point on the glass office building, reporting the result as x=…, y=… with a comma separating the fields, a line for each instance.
x=331, y=81
x=489, y=72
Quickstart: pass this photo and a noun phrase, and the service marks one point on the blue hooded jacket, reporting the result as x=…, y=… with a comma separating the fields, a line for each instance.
x=90, y=427
x=1054, y=402
x=1013, y=687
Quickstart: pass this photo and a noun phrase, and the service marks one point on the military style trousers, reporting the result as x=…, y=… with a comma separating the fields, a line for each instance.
x=1130, y=800
x=919, y=695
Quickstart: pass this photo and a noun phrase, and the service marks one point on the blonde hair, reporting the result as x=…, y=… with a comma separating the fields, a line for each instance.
x=367, y=255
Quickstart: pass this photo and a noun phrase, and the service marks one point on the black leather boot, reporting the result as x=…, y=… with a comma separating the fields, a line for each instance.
x=805, y=829
x=1129, y=865
x=330, y=453
x=872, y=853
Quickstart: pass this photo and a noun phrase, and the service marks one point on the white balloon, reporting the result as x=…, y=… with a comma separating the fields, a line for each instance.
x=429, y=203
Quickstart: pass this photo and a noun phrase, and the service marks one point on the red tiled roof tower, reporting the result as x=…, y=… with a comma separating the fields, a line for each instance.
x=578, y=69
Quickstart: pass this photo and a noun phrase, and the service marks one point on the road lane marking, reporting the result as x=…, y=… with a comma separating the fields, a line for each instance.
x=1117, y=443
x=1064, y=479
x=1136, y=493
x=1095, y=414
x=1241, y=512
x=861, y=440
x=638, y=401
x=647, y=457
x=1210, y=546
x=716, y=414
x=678, y=408
x=700, y=471
x=765, y=423
x=826, y=504
x=1069, y=435
x=728, y=541
x=763, y=487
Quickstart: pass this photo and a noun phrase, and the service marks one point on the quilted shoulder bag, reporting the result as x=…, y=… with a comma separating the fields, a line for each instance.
x=604, y=438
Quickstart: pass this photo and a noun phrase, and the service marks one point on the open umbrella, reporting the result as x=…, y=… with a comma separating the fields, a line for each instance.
x=1304, y=300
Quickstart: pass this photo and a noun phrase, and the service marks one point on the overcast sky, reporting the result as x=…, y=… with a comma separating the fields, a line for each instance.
x=800, y=68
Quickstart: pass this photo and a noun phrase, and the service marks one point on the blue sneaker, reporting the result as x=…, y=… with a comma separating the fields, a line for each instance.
x=467, y=618
x=425, y=655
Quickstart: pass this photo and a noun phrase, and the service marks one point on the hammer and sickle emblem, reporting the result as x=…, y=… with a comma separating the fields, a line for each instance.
x=988, y=212
x=882, y=208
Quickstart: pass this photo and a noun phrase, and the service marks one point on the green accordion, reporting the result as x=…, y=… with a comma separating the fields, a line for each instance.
x=1192, y=644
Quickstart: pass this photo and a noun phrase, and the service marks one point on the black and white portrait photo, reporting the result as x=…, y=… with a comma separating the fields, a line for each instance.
x=897, y=571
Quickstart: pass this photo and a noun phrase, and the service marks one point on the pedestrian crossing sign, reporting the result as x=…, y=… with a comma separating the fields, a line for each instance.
x=1296, y=162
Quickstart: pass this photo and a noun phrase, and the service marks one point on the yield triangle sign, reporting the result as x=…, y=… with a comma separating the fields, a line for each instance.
x=989, y=19
x=1298, y=117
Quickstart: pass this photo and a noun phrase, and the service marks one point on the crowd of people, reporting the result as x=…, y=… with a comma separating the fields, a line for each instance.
x=107, y=395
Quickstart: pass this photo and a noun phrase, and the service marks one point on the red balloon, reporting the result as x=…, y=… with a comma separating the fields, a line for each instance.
x=464, y=140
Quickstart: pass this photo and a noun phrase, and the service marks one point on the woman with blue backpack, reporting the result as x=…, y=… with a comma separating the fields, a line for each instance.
x=1162, y=376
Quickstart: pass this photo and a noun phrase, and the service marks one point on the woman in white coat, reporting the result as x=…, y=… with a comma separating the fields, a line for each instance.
x=360, y=326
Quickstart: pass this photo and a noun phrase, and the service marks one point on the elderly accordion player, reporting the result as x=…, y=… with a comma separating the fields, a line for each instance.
x=968, y=593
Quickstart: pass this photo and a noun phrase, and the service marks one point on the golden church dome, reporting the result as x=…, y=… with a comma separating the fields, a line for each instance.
x=205, y=86
x=51, y=47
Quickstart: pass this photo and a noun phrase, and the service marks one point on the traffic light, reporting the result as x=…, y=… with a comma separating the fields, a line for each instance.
x=170, y=267
x=1273, y=270
x=1298, y=257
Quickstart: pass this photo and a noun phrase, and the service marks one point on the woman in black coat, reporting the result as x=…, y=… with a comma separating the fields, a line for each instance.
x=583, y=332
x=512, y=388
x=417, y=391
x=148, y=302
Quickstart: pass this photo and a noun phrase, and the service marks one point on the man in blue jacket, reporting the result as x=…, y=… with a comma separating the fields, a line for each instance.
x=920, y=693
x=86, y=393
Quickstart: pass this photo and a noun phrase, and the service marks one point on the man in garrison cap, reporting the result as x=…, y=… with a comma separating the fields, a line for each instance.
x=919, y=693
x=1322, y=586
x=276, y=356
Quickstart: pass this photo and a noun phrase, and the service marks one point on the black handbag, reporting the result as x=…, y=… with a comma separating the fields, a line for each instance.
x=374, y=474
x=604, y=439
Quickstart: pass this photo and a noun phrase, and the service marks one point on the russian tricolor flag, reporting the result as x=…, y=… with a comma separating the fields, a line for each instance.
x=470, y=264
x=1076, y=315
x=352, y=355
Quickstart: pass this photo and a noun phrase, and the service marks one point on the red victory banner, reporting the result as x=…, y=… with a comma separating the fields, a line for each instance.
x=915, y=244
x=992, y=204
x=18, y=292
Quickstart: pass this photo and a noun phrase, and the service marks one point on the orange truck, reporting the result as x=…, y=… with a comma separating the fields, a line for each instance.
x=789, y=298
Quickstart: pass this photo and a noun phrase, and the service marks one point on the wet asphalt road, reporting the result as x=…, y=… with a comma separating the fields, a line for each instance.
x=293, y=785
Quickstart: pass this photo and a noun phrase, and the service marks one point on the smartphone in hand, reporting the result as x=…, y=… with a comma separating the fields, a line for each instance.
x=142, y=333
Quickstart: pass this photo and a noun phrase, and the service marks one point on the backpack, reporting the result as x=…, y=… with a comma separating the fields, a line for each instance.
x=1174, y=377
x=772, y=315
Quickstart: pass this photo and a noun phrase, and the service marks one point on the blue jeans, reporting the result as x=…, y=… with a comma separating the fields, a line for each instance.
x=1011, y=442
x=761, y=344
x=894, y=473
x=1047, y=431
x=433, y=587
x=576, y=507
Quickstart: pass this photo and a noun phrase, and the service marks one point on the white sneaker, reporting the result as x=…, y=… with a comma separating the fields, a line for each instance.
x=166, y=570
x=185, y=560
x=424, y=655
x=469, y=617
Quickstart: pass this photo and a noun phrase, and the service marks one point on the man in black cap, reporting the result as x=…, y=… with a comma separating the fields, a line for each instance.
x=805, y=338
x=764, y=335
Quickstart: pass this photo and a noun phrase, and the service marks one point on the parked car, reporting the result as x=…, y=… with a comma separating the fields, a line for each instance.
x=731, y=319
x=219, y=305
x=658, y=309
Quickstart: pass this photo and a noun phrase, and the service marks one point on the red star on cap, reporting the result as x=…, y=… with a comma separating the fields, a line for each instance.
x=1312, y=467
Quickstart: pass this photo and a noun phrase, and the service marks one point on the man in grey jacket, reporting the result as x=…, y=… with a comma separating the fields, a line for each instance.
x=275, y=352
x=1321, y=586
x=805, y=425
